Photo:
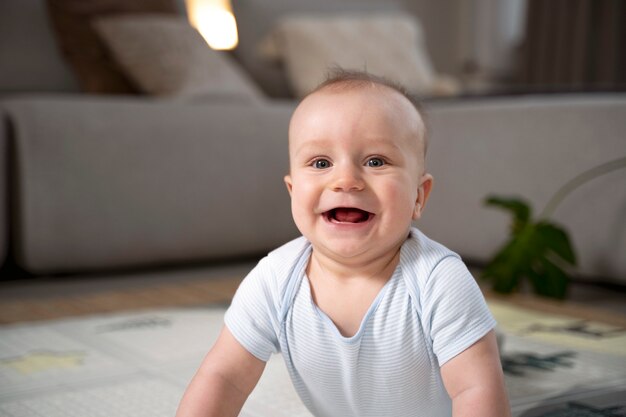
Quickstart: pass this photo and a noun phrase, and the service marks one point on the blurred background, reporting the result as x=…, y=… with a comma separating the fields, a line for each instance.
x=121, y=118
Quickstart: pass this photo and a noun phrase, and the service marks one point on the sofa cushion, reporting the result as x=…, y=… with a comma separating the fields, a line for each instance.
x=29, y=57
x=166, y=56
x=94, y=68
x=388, y=45
x=112, y=183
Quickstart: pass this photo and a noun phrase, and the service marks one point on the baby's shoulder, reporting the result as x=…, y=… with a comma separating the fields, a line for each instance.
x=289, y=252
x=283, y=266
x=424, y=254
x=283, y=259
x=423, y=260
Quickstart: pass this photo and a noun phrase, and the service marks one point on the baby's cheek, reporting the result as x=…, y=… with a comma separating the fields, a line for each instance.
x=400, y=205
x=404, y=192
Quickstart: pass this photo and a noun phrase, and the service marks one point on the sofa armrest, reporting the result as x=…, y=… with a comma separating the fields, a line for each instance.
x=112, y=183
x=4, y=186
x=529, y=147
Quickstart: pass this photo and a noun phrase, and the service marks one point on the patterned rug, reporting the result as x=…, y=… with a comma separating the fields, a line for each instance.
x=138, y=364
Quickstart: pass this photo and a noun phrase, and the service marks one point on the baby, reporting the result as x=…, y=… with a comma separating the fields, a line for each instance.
x=372, y=318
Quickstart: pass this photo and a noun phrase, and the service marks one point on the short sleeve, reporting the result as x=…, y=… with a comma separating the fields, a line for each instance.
x=454, y=309
x=252, y=318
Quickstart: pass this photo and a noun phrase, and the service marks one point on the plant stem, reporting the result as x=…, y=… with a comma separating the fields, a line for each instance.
x=578, y=181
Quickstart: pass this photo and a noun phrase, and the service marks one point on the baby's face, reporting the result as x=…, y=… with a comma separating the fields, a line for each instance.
x=356, y=171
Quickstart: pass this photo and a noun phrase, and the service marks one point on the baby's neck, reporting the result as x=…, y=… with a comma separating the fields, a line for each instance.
x=346, y=292
x=377, y=269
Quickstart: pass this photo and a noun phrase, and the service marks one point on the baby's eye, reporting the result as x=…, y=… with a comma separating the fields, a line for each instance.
x=321, y=163
x=375, y=162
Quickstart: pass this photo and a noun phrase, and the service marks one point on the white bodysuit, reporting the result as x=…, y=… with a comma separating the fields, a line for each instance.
x=428, y=312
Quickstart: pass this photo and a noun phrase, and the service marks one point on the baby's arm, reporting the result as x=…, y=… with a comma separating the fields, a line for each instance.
x=475, y=382
x=225, y=379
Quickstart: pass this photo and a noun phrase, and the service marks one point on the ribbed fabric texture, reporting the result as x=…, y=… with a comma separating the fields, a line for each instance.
x=428, y=312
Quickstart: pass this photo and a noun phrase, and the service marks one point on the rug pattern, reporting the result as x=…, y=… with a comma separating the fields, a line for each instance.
x=139, y=363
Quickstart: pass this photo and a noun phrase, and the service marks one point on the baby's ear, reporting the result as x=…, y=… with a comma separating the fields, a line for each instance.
x=288, y=183
x=423, y=192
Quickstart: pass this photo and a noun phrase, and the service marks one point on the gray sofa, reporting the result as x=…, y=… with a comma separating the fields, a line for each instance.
x=106, y=183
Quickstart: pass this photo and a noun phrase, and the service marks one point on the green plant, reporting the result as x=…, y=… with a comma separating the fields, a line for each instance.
x=538, y=249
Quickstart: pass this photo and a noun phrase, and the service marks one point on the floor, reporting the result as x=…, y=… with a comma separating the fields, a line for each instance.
x=55, y=297
x=41, y=299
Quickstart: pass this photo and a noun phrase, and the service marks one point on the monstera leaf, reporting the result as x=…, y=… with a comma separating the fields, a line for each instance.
x=537, y=251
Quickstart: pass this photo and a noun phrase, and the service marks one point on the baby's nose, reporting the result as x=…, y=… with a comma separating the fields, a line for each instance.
x=347, y=178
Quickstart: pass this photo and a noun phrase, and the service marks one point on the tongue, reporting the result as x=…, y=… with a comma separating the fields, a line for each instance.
x=348, y=215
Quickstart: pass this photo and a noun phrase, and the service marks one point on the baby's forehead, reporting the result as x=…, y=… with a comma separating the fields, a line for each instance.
x=375, y=99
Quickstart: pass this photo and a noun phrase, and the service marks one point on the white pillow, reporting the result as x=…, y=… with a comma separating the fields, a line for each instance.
x=165, y=56
x=386, y=45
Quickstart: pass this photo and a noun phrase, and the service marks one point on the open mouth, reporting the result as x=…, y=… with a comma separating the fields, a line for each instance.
x=347, y=215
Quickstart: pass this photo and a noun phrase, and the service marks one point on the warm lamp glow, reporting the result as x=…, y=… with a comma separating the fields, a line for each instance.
x=215, y=21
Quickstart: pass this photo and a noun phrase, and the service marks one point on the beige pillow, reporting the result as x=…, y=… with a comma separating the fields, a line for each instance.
x=386, y=45
x=87, y=55
x=166, y=56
